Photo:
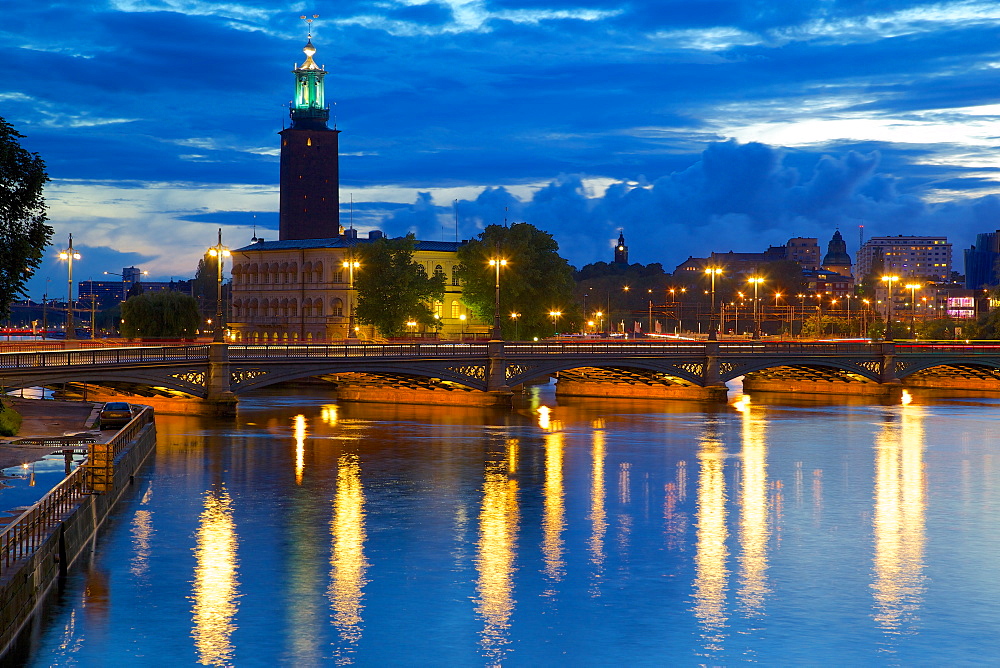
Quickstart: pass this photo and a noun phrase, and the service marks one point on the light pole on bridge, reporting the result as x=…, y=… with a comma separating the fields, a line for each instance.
x=888, y=325
x=69, y=255
x=219, y=252
x=497, y=263
x=713, y=333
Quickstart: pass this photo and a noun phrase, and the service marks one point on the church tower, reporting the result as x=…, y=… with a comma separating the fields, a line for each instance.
x=309, y=203
x=621, y=250
x=837, y=260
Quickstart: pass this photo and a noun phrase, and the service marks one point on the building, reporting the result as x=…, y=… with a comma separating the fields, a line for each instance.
x=801, y=250
x=909, y=257
x=621, y=250
x=303, y=290
x=805, y=251
x=981, y=261
x=836, y=259
x=301, y=287
x=309, y=203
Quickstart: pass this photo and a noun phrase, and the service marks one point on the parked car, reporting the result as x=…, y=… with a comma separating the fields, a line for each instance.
x=117, y=414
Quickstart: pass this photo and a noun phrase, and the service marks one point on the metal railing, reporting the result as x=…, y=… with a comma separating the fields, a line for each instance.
x=27, y=532
x=383, y=350
x=95, y=356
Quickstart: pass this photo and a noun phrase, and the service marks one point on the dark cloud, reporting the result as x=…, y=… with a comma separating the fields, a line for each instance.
x=739, y=197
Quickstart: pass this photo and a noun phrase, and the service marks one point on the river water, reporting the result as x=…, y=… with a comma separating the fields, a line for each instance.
x=587, y=533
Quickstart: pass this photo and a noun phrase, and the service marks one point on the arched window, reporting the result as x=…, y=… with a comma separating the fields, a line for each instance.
x=293, y=307
x=454, y=275
x=318, y=272
x=438, y=271
x=455, y=309
x=337, y=306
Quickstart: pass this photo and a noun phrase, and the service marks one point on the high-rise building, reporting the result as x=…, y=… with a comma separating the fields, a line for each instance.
x=309, y=206
x=906, y=257
x=981, y=261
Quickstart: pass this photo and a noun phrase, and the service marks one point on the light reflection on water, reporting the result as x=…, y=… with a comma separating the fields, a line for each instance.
x=588, y=532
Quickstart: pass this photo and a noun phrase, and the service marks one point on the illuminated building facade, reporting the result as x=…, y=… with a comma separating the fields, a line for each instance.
x=300, y=290
x=907, y=257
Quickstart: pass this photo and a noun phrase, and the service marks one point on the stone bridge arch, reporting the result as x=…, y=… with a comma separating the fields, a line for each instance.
x=869, y=369
x=247, y=377
x=523, y=371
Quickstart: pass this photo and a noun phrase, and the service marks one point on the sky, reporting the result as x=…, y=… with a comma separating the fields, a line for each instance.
x=692, y=125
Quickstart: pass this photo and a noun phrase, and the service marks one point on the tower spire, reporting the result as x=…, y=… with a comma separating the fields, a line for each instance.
x=309, y=108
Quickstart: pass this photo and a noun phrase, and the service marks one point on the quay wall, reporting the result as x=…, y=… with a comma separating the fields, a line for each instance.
x=822, y=387
x=26, y=584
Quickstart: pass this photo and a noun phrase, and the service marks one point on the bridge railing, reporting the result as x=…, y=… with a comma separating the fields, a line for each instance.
x=943, y=348
x=93, y=356
x=26, y=533
x=282, y=351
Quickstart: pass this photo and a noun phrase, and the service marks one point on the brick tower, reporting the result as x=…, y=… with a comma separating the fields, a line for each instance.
x=309, y=205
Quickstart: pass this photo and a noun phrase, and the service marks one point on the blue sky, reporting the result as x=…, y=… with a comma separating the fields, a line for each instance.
x=697, y=126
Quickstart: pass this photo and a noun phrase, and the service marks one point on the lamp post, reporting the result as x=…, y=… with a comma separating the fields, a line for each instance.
x=462, y=320
x=555, y=316
x=219, y=252
x=777, y=312
x=514, y=317
x=756, y=280
x=713, y=334
x=350, y=264
x=913, y=287
x=69, y=255
x=497, y=334
x=888, y=309
x=600, y=321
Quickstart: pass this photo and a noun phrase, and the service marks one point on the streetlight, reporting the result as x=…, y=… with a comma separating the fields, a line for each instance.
x=756, y=280
x=913, y=287
x=497, y=263
x=69, y=255
x=514, y=317
x=350, y=265
x=462, y=319
x=777, y=311
x=713, y=334
x=600, y=321
x=555, y=316
x=412, y=325
x=219, y=252
x=888, y=309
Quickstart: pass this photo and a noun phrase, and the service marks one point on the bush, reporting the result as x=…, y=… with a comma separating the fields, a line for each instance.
x=10, y=420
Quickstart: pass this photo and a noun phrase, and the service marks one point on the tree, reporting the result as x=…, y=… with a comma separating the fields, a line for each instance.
x=23, y=232
x=160, y=315
x=535, y=282
x=393, y=289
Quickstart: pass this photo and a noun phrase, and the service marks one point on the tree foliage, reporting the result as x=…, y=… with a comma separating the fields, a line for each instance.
x=23, y=232
x=393, y=289
x=535, y=282
x=160, y=315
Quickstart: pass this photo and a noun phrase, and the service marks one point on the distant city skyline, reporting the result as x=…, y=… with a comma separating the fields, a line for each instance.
x=695, y=127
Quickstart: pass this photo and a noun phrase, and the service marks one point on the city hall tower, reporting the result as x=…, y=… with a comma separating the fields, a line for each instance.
x=309, y=204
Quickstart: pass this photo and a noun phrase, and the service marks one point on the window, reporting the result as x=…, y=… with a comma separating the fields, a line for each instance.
x=454, y=309
x=338, y=307
x=454, y=277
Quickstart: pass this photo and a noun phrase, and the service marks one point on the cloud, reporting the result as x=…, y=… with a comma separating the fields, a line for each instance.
x=741, y=197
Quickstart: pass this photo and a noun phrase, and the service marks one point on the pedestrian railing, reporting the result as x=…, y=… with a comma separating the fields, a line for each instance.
x=29, y=530
x=99, y=356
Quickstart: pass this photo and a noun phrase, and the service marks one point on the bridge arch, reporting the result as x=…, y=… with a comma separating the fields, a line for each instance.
x=868, y=369
x=524, y=372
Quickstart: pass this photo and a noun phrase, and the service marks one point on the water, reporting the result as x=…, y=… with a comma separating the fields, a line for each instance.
x=591, y=534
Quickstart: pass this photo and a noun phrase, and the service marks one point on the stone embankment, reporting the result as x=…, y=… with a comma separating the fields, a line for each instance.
x=38, y=547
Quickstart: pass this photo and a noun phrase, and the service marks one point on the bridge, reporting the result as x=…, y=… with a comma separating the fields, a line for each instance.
x=218, y=373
